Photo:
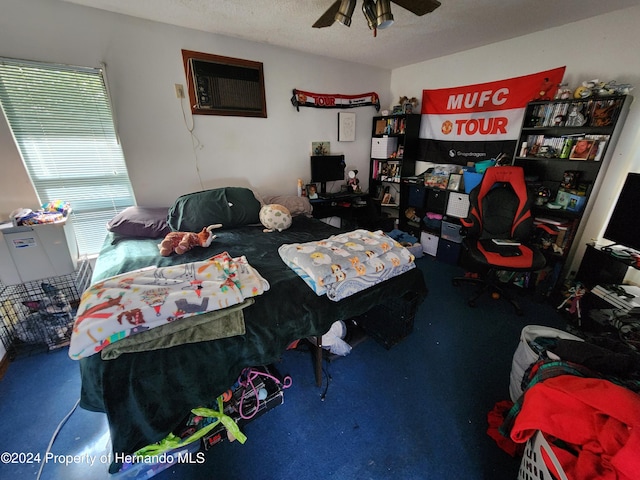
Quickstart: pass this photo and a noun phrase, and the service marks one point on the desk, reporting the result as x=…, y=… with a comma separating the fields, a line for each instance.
x=601, y=267
x=352, y=208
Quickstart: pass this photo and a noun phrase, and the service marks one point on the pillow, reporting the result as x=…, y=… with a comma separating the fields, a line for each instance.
x=295, y=205
x=145, y=222
x=275, y=217
x=230, y=206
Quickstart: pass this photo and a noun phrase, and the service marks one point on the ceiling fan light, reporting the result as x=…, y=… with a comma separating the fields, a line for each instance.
x=383, y=12
x=343, y=15
x=369, y=10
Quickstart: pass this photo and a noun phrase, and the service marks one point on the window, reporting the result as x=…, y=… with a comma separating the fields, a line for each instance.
x=62, y=123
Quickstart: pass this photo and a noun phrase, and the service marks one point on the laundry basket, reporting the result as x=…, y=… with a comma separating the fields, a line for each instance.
x=533, y=466
x=525, y=356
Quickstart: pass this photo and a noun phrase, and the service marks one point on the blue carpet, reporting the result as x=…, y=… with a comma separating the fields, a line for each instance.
x=416, y=411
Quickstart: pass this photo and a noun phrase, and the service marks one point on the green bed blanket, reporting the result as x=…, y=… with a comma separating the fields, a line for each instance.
x=146, y=394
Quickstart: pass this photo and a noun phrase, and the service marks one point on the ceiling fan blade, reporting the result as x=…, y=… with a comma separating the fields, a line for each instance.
x=418, y=7
x=328, y=17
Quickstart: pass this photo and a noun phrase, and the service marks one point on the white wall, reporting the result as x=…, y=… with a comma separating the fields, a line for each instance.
x=144, y=62
x=605, y=47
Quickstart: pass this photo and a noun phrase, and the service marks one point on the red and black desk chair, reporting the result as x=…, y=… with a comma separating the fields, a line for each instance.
x=499, y=209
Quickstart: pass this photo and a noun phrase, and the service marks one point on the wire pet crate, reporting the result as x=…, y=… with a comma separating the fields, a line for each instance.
x=38, y=315
x=391, y=321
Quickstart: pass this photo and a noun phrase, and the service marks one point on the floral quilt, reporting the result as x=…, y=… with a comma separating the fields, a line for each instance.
x=133, y=302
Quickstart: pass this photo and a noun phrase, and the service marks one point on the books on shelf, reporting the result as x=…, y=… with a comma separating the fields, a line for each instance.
x=390, y=126
x=588, y=112
x=566, y=146
x=624, y=297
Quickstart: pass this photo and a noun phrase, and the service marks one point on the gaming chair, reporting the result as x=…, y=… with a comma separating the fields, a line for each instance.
x=499, y=208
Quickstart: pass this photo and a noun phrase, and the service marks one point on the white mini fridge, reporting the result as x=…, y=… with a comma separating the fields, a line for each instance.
x=35, y=252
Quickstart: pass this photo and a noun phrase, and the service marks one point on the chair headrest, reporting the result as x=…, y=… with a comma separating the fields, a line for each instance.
x=512, y=175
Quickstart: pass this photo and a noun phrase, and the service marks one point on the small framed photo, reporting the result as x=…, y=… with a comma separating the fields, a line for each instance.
x=320, y=148
x=407, y=108
x=455, y=180
x=312, y=191
x=387, y=199
x=581, y=149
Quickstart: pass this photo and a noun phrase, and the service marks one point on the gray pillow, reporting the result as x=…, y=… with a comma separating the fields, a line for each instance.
x=144, y=222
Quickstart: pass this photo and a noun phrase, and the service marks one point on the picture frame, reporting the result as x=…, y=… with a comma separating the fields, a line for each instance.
x=220, y=85
x=581, y=149
x=455, y=181
x=407, y=108
x=346, y=127
x=387, y=199
x=312, y=191
x=320, y=148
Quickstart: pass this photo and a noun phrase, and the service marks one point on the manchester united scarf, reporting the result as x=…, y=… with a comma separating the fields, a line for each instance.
x=333, y=100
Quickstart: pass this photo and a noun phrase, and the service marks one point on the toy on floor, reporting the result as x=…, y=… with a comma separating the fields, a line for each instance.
x=181, y=242
x=572, y=302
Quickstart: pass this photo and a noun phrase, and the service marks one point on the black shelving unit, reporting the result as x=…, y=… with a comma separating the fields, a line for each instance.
x=386, y=171
x=547, y=150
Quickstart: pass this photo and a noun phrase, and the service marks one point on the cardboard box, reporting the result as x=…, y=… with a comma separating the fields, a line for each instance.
x=35, y=252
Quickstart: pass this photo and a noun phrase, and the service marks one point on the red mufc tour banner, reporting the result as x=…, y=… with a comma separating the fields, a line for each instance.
x=334, y=100
x=485, y=111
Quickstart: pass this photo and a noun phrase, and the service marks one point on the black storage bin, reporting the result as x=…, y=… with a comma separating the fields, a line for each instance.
x=437, y=201
x=448, y=251
x=390, y=322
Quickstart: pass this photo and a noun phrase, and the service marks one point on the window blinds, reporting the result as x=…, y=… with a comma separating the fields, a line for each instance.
x=62, y=123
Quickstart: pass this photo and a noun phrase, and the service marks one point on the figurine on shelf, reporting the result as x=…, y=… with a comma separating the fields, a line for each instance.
x=353, y=181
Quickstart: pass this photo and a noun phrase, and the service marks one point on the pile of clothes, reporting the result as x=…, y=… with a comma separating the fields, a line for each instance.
x=50, y=212
x=585, y=398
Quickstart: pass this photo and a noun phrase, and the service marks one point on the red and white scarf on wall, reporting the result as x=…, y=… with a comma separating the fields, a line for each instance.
x=301, y=98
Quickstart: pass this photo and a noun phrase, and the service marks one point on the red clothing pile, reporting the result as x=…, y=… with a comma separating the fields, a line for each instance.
x=600, y=420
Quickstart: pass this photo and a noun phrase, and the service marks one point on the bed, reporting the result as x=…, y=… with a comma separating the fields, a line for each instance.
x=146, y=394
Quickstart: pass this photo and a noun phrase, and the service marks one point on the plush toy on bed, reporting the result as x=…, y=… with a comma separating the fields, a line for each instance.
x=181, y=242
x=275, y=217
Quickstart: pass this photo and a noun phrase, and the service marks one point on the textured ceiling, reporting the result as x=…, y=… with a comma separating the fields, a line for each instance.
x=456, y=26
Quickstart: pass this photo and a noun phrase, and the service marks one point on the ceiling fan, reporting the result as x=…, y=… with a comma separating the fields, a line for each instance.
x=377, y=12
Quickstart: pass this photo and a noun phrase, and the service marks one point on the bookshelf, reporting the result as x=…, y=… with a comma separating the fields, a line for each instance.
x=394, y=150
x=565, y=147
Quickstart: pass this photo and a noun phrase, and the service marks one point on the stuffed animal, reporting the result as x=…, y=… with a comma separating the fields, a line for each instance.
x=181, y=242
x=275, y=217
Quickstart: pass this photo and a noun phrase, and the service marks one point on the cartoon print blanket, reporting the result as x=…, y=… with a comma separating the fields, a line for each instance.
x=325, y=264
x=136, y=301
